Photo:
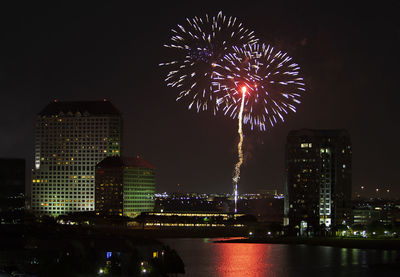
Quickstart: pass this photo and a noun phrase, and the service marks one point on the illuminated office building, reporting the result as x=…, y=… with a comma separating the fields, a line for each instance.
x=70, y=139
x=317, y=178
x=124, y=186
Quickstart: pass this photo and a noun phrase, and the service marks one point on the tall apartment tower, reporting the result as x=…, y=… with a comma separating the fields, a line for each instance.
x=70, y=139
x=317, y=178
x=124, y=186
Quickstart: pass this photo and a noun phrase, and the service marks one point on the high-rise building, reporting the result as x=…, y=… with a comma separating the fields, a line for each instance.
x=317, y=179
x=70, y=139
x=124, y=186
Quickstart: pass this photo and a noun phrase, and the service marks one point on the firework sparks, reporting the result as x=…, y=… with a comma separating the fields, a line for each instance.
x=201, y=45
x=273, y=79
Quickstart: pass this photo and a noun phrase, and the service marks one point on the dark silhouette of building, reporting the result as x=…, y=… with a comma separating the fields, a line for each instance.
x=124, y=186
x=266, y=210
x=70, y=139
x=12, y=189
x=317, y=179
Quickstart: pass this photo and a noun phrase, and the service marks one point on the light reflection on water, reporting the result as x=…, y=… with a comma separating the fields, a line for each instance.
x=231, y=260
x=202, y=257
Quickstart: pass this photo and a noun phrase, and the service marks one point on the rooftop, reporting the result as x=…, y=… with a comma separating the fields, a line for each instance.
x=319, y=133
x=125, y=161
x=82, y=107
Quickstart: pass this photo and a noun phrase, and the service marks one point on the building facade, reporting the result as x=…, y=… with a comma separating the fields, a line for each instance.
x=70, y=139
x=317, y=179
x=124, y=186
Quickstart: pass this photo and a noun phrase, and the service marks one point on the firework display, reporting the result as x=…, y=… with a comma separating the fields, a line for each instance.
x=272, y=79
x=220, y=65
x=201, y=44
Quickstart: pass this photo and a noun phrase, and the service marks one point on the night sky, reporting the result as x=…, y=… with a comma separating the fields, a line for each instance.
x=349, y=57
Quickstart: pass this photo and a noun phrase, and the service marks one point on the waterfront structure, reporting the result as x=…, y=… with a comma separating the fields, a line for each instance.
x=365, y=216
x=124, y=186
x=12, y=189
x=317, y=179
x=376, y=211
x=70, y=139
x=266, y=206
x=192, y=219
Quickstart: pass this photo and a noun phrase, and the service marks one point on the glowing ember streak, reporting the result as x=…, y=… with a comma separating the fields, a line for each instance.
x=236, y=177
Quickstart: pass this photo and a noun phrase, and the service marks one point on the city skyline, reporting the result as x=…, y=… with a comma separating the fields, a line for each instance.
x=348, y=57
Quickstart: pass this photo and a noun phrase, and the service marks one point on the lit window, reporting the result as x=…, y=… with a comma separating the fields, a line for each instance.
x=306, y=145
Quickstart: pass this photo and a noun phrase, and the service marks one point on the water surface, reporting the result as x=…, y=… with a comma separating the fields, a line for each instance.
x=203, y=257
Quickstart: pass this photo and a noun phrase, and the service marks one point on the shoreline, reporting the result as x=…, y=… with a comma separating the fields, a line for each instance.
x=219, y=235
x=380, y=244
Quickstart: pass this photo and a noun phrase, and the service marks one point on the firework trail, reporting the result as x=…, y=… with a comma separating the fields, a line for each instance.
x=236, y=176
x=274, y=85
x=200, y=45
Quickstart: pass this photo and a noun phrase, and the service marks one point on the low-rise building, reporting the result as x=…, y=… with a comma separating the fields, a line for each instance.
x=124, y=186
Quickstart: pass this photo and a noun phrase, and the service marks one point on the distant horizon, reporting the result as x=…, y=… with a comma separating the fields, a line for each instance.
x=365, y=192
